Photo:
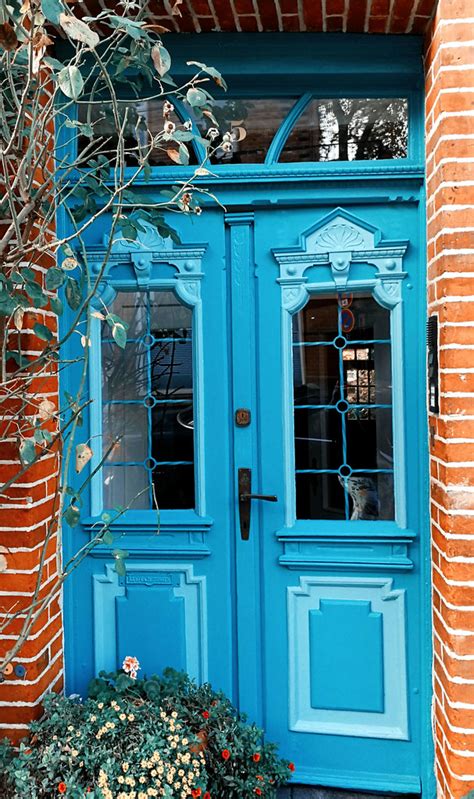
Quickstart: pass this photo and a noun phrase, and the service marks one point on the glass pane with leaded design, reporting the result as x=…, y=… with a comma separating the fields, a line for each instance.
x=147, y=394
x=343, y=408
x=349, y=129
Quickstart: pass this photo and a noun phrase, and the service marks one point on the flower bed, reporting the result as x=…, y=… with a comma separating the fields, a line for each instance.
x=138, y=738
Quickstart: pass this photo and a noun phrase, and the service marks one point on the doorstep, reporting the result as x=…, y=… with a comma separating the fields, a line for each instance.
x=308, y=792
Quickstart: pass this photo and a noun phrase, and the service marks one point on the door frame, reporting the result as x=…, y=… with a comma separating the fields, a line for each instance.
x=345, y=64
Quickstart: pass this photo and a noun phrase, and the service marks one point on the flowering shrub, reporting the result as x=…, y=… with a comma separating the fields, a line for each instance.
x=139, y=738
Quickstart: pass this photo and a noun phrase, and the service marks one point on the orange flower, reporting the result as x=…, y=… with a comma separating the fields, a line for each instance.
x=258, y=791
x=62, y=787
x=205, y=714
x=256, y=757
x=207, y=795
x=195, y=793
x=225, y=754
x=291, y=766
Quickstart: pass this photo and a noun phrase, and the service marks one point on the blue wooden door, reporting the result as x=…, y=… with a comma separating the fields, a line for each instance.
x=339, y=367
x=285, y=342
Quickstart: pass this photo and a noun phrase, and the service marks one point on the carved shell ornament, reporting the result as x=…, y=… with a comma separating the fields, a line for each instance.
x=339, y=238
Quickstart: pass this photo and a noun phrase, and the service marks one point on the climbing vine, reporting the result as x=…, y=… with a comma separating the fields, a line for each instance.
x=88, y=165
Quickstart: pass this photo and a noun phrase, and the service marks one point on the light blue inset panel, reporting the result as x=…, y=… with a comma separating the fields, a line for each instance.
x=347, y=610
x=159, y=639
x=158, y=610
x=346, y=654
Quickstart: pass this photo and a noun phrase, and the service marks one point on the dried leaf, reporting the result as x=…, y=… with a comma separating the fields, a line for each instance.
x=98, y=315
x=3, y=563
x=78, y=30
x=83, y=456
x=156, y=28
x=40, y=41
x=161, y=59
x=69, y=264
x=174, y=155
x=8, y=38
x=46, y=409
x=18, y=318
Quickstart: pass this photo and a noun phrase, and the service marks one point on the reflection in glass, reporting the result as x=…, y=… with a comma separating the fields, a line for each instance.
x=253, y=122
x=341, y=129
x=343, y=409
x=138, y=117
x=147, y=394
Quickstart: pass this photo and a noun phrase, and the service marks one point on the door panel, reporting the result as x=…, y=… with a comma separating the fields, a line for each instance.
x=341, y=596
x=303, y=323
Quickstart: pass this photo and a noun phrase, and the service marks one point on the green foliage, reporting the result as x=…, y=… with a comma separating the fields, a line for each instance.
x=136, y=735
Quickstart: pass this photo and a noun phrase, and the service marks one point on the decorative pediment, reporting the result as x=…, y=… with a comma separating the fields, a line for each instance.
x=145, y=255
x=339, y=240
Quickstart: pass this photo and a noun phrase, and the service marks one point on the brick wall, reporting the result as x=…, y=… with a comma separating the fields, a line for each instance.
x=450, y=184
x=29, y=549
x=354, y=16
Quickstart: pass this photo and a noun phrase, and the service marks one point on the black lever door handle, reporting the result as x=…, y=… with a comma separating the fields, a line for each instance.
x=265, y=497
x=245, y=498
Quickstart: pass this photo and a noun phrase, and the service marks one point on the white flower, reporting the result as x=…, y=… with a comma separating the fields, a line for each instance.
x=131, y=666
x=169, y=127
x=167, y=108
x=212, y=133
x=188, y=125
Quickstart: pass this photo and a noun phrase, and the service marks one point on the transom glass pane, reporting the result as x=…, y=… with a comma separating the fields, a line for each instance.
x=343, y=409
x=253, y=123
x=349, y=130
x=147, y=394
x=140, y=116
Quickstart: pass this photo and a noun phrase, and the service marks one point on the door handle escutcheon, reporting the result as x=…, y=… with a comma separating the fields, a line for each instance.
x=245, y=498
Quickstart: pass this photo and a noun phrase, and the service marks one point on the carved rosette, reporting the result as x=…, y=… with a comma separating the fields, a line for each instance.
x=338, y=241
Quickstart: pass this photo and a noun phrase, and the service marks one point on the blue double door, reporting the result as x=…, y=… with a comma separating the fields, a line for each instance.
x=272, y=353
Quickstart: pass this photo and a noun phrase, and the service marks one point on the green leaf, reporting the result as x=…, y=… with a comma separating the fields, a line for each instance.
x=71, y=82
x=53, y=62
x=120, y=567
x=108, y=538
x=119, y=335
x=78, y=30
x=73, y=293
x=38, y=297
x=72, y=515
x=183, y=154
x=161, y=59
x=130, y=26
x=54, y=278
x=56, y=306
x=42, y=331
x=27, y=451
x=52, y=9
x=196, y=97
x=214, y=73
x=123, y=681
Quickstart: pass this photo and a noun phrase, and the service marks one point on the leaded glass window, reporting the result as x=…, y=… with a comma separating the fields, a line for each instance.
x=147, y=396
x=343, y=409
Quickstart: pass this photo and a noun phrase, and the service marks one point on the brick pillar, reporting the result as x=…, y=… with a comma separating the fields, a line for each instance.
x=450, y=189
x=29, y=541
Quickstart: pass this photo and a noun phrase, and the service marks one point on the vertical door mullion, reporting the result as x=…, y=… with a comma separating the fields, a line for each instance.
x=243, y=367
